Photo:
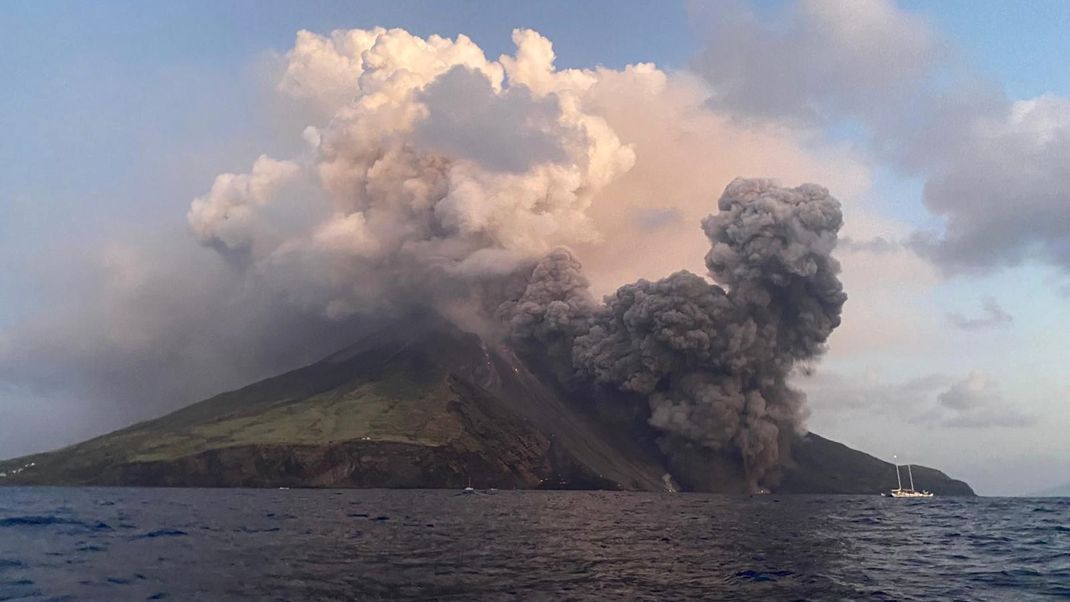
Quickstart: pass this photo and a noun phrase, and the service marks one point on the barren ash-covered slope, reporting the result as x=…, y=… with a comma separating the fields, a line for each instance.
x=423, y=404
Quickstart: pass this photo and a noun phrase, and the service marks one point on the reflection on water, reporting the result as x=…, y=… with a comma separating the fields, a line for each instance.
x=265, y=544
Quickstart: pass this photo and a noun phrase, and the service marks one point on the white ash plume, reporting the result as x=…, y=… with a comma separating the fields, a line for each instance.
x=437, y=169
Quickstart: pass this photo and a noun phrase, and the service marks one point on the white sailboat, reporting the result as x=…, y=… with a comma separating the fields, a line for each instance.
x=900, y=492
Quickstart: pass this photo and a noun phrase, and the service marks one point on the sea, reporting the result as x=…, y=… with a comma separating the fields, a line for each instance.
x=247, y=544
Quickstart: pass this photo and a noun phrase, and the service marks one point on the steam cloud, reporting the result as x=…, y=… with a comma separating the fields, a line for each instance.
x=438, y=170
x=713, y=363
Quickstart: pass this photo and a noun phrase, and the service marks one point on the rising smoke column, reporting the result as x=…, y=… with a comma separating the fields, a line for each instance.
x=712, y=362
x=554, y=307
x=772, y=247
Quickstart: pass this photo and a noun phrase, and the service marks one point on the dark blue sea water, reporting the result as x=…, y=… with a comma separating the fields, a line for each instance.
x=201, y=544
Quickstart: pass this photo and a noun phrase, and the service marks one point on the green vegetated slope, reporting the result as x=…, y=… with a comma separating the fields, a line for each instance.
x=407, y=407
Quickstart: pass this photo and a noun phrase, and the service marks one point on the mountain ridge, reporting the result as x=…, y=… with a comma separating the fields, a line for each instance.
x=421, y=403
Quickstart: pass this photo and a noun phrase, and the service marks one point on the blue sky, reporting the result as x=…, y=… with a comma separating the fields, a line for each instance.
x=1021, y=43
x=117, y=114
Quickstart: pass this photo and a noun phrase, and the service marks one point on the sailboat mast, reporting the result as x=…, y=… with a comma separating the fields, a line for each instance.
x=897, y=477
x=911, y=473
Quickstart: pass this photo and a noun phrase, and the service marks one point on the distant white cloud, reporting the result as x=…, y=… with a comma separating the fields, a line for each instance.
x=935, y=400
x=1005, y=191
x=976, y=402
x=993, y=316
x=819, y=62
x=871, y=393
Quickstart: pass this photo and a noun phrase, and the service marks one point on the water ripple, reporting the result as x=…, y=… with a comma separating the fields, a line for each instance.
x=302, y=544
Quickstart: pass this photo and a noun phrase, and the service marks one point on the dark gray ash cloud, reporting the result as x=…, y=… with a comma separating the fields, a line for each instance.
x=712, y=362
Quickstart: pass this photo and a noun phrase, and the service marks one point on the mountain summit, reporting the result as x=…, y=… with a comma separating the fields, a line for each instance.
x=421, y=403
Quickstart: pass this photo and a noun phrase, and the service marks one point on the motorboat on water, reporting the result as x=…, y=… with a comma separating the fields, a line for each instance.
x=909, y=493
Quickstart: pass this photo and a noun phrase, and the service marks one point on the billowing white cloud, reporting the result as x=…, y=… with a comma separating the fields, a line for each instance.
x=433, y=159
x=330, y=71
x=228, y=216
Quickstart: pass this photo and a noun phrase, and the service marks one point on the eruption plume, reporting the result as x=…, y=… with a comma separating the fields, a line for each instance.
x=438, y=169
x=712, y=362
x=434, y=177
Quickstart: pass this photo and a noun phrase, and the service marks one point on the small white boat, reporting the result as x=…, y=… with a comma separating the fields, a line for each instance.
x=900, y=492
x=470, y=490
x=910, y=493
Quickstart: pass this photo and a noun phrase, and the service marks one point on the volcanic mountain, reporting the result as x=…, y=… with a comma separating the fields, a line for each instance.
x=422, y=403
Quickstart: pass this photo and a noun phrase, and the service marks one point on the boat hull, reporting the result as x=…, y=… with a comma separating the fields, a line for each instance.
x=905, y=493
